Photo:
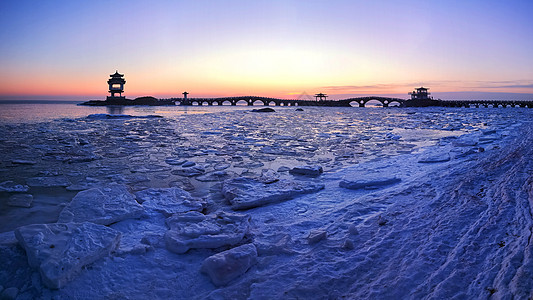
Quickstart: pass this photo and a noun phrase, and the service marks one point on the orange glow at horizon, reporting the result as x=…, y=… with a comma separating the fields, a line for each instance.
x=271, y=48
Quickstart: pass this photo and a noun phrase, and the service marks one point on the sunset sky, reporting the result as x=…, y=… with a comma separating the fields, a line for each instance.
x=67, y=49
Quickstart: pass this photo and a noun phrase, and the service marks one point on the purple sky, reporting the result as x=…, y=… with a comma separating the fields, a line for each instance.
x=67, y=49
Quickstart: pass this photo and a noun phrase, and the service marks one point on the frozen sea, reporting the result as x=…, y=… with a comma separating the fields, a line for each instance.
x=226, y=203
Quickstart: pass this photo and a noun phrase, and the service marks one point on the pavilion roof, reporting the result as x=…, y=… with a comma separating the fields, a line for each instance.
x=117, y=74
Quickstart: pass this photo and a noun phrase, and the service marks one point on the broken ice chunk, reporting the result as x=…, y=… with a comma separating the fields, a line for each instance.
x=188, y=172
x=244, y=193
x=307, y=170
x=368, y=183
x=268, y=176
x=195, y=230
x=53, y=181
x=283, y=169
x=316, y=236
x=225, y=266
x=59, y=251
x=169, y=201
x=105, y=206
x=464, y=142
x=175, y=161
x=188, y=164
x=434, y=158
x=221, y=166
x=215, y=176
x=13, y=187
x=348, y=244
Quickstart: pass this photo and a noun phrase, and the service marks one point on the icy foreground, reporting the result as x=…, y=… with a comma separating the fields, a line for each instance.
x=439, y=217
x=59, y=251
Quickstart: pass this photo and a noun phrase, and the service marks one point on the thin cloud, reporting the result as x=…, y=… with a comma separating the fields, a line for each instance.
x=516, y=86
x=446, y=84
x=378, y=87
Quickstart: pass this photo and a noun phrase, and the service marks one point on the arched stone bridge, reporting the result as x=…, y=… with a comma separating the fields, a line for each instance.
x=249, y=100
x=486, y=103
x=359, y=101
x=266, y=101
x=385, y=101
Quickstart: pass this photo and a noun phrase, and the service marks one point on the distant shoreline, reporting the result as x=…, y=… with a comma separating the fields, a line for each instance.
x=40, y=101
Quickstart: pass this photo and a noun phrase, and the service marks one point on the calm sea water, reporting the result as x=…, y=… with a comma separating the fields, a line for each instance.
x=25, y=112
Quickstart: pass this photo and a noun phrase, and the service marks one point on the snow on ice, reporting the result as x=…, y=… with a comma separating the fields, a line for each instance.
x=196, y=230
x=368, y=183
x=225, y=266
x=245, y=193
x=59, y=251
x=104, y=206
x=169, y=201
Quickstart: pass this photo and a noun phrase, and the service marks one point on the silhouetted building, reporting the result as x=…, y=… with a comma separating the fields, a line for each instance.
x=420, y=98
x=116, y=86
x=420, y=93
x=185, y=95
x=320, y=97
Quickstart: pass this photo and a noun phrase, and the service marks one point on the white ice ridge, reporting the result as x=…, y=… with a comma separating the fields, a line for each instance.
x=59, y=251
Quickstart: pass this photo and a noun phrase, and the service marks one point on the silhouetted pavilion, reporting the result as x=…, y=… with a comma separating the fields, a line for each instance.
x=116, y=85
x=420, y=93
x=320, y=97
x=185, y=95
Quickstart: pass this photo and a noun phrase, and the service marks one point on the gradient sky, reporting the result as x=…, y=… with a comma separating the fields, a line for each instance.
x=67, y=49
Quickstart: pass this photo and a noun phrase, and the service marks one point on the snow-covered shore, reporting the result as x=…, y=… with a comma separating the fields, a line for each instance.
x=449, y=220
x=463, y=230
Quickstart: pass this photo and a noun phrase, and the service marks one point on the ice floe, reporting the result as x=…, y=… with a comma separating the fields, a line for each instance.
x=104, y=205
x=245, y=193
x=372, y=182
x=119, y=117
x=316, y=236
x=195, y=230
x=169, y=200
x=59, y=251
x=435, y=158
x=226, y=266
x=50, y=181
x=307, y=170
x=11, y=186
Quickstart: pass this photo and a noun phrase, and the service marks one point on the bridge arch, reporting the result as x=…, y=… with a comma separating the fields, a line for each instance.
x=395, y=102
x=254, y=101
x=374, y=103
x=241, y=102
x=355, y=103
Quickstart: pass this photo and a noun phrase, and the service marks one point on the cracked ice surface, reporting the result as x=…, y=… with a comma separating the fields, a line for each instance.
x=391, y=239
x=59, y=251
